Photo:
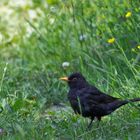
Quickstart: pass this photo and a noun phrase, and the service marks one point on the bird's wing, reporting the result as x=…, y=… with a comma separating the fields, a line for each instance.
x=90, y=102
x=95, y=96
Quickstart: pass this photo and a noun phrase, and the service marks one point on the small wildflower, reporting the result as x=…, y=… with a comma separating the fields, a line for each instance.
x=111, y=40
x=128, y=14
x=65, y=65
x=138, y=46
x=53, y=9
x=82, y=37
x=32, y=14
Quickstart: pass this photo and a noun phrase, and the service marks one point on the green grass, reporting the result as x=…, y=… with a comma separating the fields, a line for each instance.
x=36, y=38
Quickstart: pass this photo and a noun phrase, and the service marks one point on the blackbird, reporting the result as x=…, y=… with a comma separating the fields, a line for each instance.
x=89, y=101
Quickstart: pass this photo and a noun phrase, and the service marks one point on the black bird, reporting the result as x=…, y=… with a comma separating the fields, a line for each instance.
x=89, y=101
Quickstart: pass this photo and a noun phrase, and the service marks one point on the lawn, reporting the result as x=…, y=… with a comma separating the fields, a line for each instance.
x=41, y=41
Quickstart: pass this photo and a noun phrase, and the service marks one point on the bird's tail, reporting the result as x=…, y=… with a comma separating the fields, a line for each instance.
x=129, y=101
x=134, y=100
x=118, y=103
x=123, y=102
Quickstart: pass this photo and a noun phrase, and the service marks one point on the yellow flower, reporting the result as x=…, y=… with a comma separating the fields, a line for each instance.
x=111, y=40
x=128, y=14
x=138, y=46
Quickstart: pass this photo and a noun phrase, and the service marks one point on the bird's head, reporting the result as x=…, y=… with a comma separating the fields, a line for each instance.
x=75, y=80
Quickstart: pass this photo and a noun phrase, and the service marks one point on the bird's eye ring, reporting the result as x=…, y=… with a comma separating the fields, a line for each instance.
x=74, y=79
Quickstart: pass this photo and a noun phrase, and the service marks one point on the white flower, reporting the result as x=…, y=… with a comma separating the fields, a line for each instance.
x=20, y=3
x=82, y=37
x=53, y=9
x=65, y=65
x=32, y=14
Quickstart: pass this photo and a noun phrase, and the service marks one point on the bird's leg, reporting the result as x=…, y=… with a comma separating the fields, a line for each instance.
x=90, y=124
x=99, y=119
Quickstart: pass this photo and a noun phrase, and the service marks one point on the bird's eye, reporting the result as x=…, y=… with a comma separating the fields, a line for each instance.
x=74, y=79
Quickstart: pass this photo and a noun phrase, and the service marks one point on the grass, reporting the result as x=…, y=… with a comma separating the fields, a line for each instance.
x=36, y=38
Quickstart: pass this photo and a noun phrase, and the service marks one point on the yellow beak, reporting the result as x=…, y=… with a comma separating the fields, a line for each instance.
x=64, y=78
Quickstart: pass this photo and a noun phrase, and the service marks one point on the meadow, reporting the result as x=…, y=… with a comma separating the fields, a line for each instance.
x=41, y=41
